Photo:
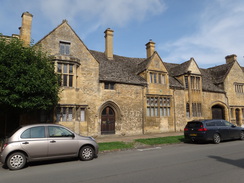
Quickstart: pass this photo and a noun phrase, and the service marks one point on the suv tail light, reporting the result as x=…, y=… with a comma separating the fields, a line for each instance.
x=186, y=129
x=202, y=129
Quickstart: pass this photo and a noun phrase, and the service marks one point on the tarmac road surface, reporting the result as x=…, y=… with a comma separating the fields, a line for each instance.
x=185, y=163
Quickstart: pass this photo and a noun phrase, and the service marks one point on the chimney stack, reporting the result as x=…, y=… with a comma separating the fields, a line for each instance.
x=150, y=46
x=25, y=29
x=109, y=43
x=230, y=58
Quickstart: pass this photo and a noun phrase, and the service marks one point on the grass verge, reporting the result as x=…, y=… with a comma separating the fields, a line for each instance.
x=108, y=146
x=161, y=140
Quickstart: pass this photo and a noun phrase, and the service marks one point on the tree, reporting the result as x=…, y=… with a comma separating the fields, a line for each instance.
x=27, y=78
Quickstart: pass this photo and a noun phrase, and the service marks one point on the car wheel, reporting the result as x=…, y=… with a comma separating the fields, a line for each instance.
x=242, y=135
x=216, y=138
x=16, y=161
x=86, y=153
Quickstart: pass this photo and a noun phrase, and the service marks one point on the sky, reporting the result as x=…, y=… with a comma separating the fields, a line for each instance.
x=207, y=30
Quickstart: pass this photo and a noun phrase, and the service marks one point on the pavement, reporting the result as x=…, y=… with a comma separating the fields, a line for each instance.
x=131, y=138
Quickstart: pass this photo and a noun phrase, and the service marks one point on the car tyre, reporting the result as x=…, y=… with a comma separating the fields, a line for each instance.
x=216, y=138
x=16, y=161
x=86, y=153
x=242, y=135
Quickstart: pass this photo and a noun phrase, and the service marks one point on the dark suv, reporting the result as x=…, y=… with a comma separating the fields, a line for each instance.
x=214, y=130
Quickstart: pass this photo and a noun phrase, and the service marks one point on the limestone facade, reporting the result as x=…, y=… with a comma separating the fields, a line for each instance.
x=102, y=93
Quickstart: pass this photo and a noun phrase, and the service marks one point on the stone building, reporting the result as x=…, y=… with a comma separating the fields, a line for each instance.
x=103, y=93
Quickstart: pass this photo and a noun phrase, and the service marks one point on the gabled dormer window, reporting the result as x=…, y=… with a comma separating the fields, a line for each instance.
x=239, y=87
x=64, y=48
x=195, y=83
x=158, y=78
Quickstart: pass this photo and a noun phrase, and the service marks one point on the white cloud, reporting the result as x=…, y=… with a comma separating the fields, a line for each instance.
x=104, y=12
x=220, y=33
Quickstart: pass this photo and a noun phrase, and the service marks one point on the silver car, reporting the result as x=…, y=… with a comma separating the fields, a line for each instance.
x=43, y=142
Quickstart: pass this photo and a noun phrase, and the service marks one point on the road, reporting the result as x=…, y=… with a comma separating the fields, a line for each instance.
x=184, y=163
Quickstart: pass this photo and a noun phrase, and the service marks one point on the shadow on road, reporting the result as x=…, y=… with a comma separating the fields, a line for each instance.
x=238, y=163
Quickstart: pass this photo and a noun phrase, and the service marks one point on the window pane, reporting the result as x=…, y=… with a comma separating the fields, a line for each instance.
x=61, y=49
x=65, y=68
x=64, y=114
x=156, y=111
x=112, y=86
x=65, y=80
x=155, y=78
x=70, y=114
x=70, y=68
x=59, y=68
x=161, y=111
x=163, y=79
x=152, y=112
x=151, y=78
x=67, y=49
x=64, y=48
x=82, y=114
x=148, y=111
x=106, y=85
x=70, y=81
x=161, y=101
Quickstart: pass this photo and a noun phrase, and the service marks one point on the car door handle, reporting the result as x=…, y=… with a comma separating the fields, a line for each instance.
x=53, y=141
x=25, y=143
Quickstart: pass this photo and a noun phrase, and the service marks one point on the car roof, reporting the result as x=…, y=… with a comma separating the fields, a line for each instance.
x=206, y=120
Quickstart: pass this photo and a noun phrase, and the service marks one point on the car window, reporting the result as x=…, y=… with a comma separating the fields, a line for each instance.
x=210, y=123
x=34, y=132
x=227, y=123
x=194, y=124
x=55, y=131
x=219, y=123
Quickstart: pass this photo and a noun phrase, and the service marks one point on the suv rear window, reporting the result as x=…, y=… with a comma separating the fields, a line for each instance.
x=194, y=124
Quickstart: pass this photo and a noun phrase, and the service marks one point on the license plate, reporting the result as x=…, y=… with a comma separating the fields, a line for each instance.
x=193, y=135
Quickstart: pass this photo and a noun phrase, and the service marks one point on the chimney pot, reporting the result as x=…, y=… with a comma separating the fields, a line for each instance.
x=230, y=58
x=150, y=46
x=109, y=43
x=25, y=29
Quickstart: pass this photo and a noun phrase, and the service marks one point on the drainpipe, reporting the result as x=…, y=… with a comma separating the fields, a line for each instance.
x=174, y=110
x=228, y=105
x=143, y=110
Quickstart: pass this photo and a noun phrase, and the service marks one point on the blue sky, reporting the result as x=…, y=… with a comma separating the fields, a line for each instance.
x=207, y=30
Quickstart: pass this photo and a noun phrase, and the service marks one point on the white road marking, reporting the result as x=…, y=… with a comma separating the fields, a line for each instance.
x=149, y=149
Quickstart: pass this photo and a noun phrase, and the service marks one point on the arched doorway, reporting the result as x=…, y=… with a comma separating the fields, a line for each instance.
x=238, y=120
x=218, y=112
x=108, y=121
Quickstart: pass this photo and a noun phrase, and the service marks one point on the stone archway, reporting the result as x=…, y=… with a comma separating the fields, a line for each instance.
x=218, y=112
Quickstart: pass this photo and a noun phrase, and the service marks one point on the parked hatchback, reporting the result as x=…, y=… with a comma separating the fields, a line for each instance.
x=44, y=142
x=215, y=130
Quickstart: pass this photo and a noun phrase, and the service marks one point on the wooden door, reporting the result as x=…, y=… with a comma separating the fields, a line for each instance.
x=217, y=112
x=108, y=121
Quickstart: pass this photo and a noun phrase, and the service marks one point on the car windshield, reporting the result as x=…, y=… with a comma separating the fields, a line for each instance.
x=195, y=124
